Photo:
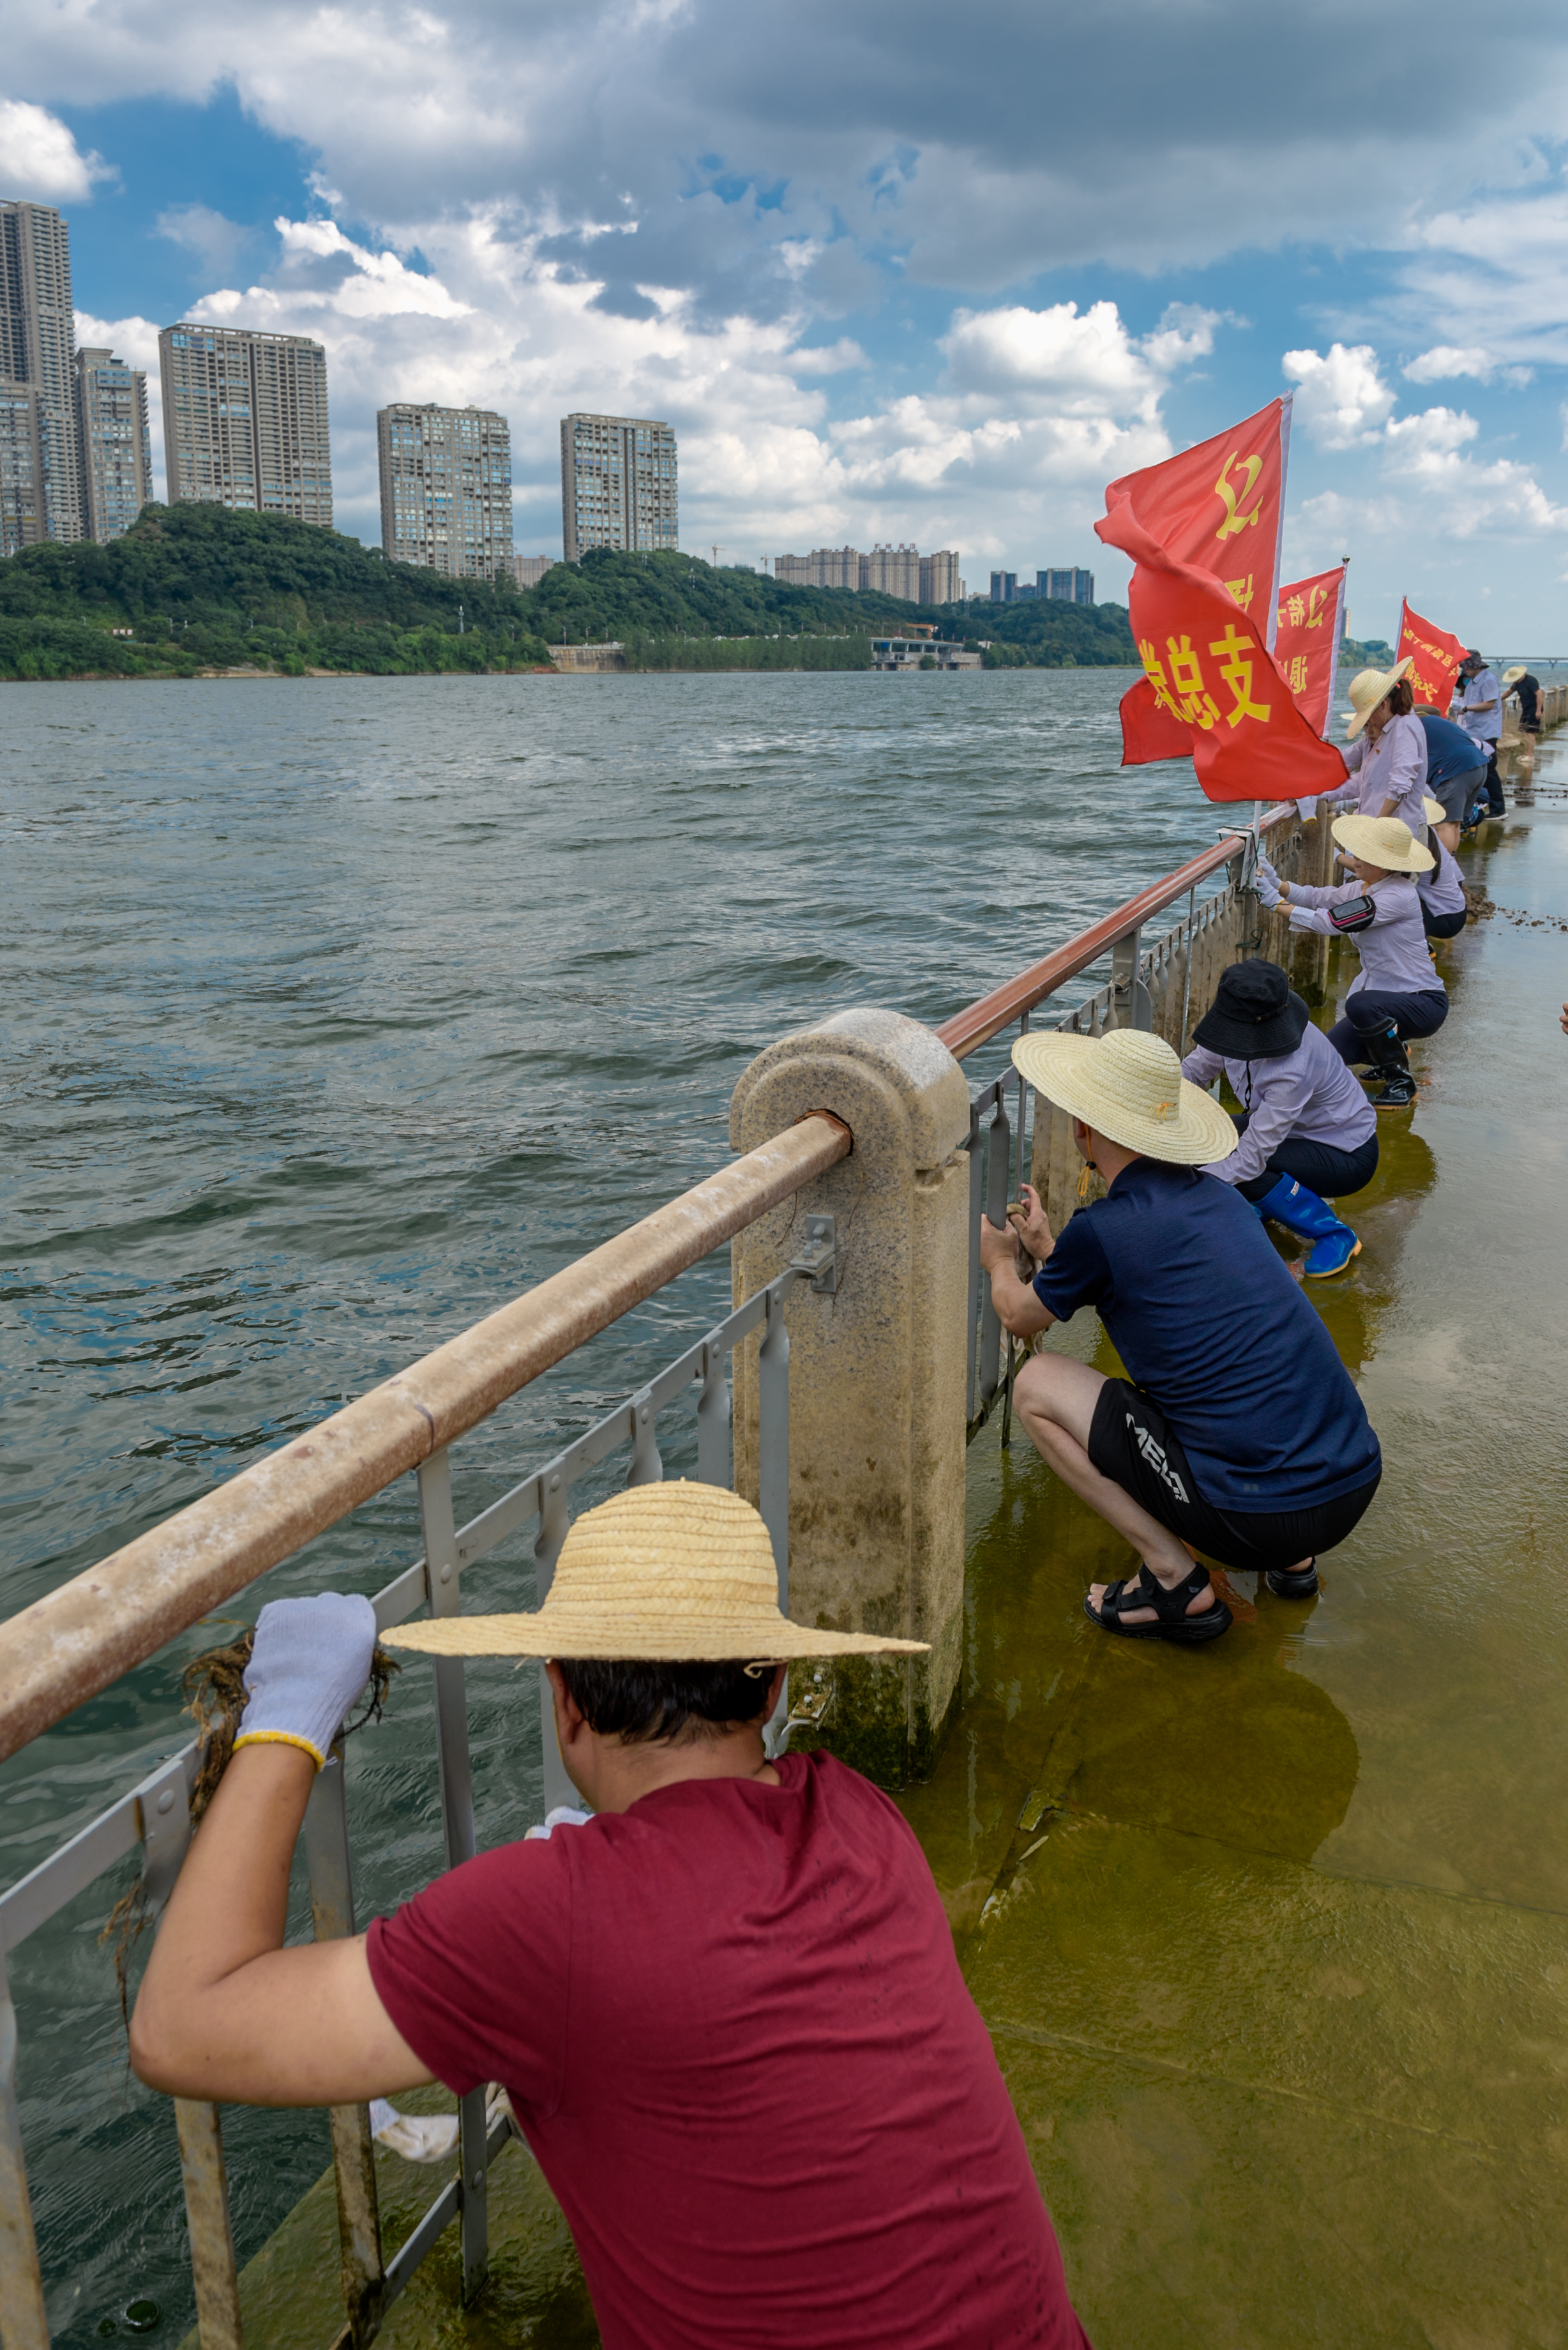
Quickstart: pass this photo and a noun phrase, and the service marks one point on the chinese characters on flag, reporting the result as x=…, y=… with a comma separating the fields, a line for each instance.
x=1210, y=677
x=1309, y=626
x=1220, y=508
x=1436, y=657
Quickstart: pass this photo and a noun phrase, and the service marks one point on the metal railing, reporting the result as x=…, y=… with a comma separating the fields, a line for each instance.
x=70, y=1645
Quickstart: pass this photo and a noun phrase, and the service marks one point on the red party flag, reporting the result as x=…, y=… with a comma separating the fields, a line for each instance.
x=1437, y=658
x=1219, y=507
x=1308, y=627
x=1212, y=674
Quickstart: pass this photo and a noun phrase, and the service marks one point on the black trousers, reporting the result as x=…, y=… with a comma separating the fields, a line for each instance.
x=1323, y=1168
x=1369, y=1010
x=1493, y=786
x=1444, y=926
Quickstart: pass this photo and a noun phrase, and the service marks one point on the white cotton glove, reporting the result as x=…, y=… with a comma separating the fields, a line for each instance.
x=565, y=1815
x=1267, y=870
x=1266, y=882
x=310, y=1660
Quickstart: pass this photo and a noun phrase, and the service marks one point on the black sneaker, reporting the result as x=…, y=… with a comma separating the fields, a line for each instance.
x=1398, y=1094
x=1286, y=1584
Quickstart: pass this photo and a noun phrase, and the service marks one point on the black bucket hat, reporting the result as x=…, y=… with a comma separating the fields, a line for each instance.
x=1256, y=1015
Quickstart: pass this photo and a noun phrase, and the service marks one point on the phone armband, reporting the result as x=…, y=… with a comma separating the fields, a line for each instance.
x=1355, y=914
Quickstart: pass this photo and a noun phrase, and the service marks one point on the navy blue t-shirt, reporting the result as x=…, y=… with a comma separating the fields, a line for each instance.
x=1451, y=751
x=1210, y=1325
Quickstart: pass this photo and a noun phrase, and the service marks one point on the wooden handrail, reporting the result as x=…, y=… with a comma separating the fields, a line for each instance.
x=969, y=1029
x=72, y=1643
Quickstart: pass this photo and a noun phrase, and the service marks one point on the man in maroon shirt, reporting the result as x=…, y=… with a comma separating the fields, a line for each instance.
x=725, y=2007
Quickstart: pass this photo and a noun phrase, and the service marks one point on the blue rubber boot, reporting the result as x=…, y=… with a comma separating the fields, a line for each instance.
x=1300, y=1211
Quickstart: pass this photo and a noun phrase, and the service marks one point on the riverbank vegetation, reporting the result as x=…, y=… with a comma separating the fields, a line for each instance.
x=194, y=588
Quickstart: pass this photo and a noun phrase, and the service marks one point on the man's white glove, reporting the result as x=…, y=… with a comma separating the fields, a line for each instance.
x=310, y=1661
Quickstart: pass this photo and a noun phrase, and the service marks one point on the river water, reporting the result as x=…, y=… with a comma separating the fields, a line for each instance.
x=337, y=1012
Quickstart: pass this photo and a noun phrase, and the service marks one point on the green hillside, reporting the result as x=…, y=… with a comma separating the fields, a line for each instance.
x=196, y=588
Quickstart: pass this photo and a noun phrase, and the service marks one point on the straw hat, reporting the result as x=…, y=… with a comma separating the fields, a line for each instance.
x=1368, y=687
x=1436, y=812
x=1128, y=1085
x=1512, y=676
x=1384, y=841
x=666, y=1574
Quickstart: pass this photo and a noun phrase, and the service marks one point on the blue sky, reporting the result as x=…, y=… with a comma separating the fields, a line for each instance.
x=935, y=280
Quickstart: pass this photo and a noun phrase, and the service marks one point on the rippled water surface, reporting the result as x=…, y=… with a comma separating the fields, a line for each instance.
x=337, y=1012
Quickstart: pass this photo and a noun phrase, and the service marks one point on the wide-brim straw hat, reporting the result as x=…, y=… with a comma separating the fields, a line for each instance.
x=1127, y=1085
x=1512, y=676
x=661, y=1573
x=1436, y=812
x=1385, y=840
x=1368, y=687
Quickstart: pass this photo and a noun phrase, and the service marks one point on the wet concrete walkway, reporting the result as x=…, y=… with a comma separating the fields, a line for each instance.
x=1272, y=1938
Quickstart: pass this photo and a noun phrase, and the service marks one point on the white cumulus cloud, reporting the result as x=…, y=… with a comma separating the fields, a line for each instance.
x=1342, y=400
x=39, y=158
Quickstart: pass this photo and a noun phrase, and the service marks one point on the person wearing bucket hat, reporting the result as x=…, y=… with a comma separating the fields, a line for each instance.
x=1237, y=1435
x=1306, y=1131
x=1478, y=706
x=1445, y=908
x=1456, y=773
x=1398, y=994
x=1385, y=750
x=663, y=1989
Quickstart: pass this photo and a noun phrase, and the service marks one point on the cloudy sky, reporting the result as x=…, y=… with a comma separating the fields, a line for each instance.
x=925, y=273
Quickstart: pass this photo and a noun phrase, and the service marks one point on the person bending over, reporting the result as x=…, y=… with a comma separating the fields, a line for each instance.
x=1306, y=1132
x=1478, y=706
x=1237, y=1434
x=726, y=2007
x=1398, y=991
x=1445, y=908
x=1385, y=751
x=1456, y=775
x=1519, y=685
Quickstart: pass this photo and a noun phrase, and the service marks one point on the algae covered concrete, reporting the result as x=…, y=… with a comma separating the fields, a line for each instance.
x=1271, y=1937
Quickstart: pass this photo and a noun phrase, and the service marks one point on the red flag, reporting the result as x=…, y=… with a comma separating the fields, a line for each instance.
x=1437, y=658
x=1219, y=507
x=1209, y=671
x=1310, y=624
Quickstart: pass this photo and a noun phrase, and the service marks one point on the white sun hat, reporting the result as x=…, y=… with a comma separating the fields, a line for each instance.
x=1368, y=687
x=1127, y=1085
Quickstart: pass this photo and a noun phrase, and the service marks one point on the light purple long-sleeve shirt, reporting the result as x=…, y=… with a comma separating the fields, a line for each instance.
x=1309, y=1093
x=1442, y=891
x=1392, y=768
x=1394, y=957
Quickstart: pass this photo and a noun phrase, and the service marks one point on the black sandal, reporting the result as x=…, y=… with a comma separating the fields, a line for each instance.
x=1172, y=1621
x=1291, y=1583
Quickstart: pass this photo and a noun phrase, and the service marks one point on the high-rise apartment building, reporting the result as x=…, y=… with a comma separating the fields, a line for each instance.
x=116, y=443
x=892, y=570
x=446, y=488
x=20, y=468
x=529, y=570
x=1069, y=587
x=37, y=346
x=618, y=484
x=244, y=420
x=1004, y=586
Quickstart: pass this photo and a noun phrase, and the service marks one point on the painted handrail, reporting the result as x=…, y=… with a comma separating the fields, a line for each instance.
x=75, y=1641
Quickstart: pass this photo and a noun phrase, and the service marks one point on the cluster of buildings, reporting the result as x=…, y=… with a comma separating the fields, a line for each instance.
x=245, y=426
x=892, y=570
x=1067, y=587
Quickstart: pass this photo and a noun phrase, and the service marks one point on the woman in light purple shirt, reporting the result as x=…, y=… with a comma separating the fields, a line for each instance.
x=1397, y=993
x=1306, y=1132
x=1445, y=908
x=1385, y=751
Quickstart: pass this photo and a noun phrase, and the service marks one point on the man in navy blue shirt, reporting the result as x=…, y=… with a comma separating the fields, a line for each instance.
x=1456, y=772
x=1238, y=1434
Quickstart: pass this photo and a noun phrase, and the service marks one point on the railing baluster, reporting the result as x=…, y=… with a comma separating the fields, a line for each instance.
x=998, y=1166
x=457, y=1821
x=553, y=1520
x=212, y=2270
x=715, y=1435
x=353, y=2148
x=647, y=1466
x=773, y=1469
x=976, y=1202
x=23, y=2325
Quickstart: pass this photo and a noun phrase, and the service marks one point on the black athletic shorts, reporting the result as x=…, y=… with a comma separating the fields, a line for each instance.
x=1130, y=1444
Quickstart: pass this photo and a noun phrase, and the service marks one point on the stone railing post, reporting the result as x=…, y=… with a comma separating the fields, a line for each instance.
x=876, y=1370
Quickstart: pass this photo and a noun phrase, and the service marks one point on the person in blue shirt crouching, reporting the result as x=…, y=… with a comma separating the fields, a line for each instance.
x=1237, y=1435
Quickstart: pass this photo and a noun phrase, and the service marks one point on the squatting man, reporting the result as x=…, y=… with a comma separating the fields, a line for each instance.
x=1238, y=1435
x=665, y=1988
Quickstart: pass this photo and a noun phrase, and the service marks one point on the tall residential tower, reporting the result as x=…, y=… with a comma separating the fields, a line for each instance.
x=115, y=445
x=446, y=489
x=37, y=347
x=617, y=483
x=244, y=420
